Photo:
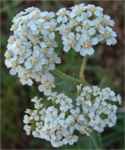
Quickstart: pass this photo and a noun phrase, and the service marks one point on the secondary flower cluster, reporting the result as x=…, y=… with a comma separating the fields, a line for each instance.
x=99, y=106
x=30, y=51
x=57, y=118
x=52, y=120
x=84, y=26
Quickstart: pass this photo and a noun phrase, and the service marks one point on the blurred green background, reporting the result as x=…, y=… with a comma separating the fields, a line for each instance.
x=106, y=68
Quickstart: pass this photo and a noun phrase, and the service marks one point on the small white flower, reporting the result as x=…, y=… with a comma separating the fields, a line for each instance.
x=27, y=129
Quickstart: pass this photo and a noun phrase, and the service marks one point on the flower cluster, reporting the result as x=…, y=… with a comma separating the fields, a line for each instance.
x=30, y=51
x=31, y=48
x=57, y=118
x=84, y=26
x=99, y=106
x=52, y=120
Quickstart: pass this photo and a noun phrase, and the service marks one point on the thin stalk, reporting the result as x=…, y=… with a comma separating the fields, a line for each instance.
x=82, y=69
x=95, y=144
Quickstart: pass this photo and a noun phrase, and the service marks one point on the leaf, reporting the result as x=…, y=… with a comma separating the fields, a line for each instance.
x=86, y=143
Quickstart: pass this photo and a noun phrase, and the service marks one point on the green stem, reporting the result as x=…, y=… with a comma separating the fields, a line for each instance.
x=95, y=144
x=82, y=69
x=62, y=75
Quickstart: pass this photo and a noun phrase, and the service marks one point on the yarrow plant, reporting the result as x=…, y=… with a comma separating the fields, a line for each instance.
x=31, y=55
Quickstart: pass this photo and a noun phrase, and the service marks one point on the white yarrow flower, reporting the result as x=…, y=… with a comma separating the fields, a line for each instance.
x=52, y=122
x=98, y=107
x=85, y=23
x=30, y=50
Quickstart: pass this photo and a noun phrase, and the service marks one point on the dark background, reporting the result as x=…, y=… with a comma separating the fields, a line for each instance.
x=105, y=67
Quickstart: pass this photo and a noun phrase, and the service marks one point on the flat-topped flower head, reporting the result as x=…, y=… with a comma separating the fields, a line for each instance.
x=30, y=50
x=99, y=106
x=58, y=119
x=84, y=26
x=52, y=120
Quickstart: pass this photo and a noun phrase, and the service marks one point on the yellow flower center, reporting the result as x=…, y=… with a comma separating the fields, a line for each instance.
x=87, y=45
